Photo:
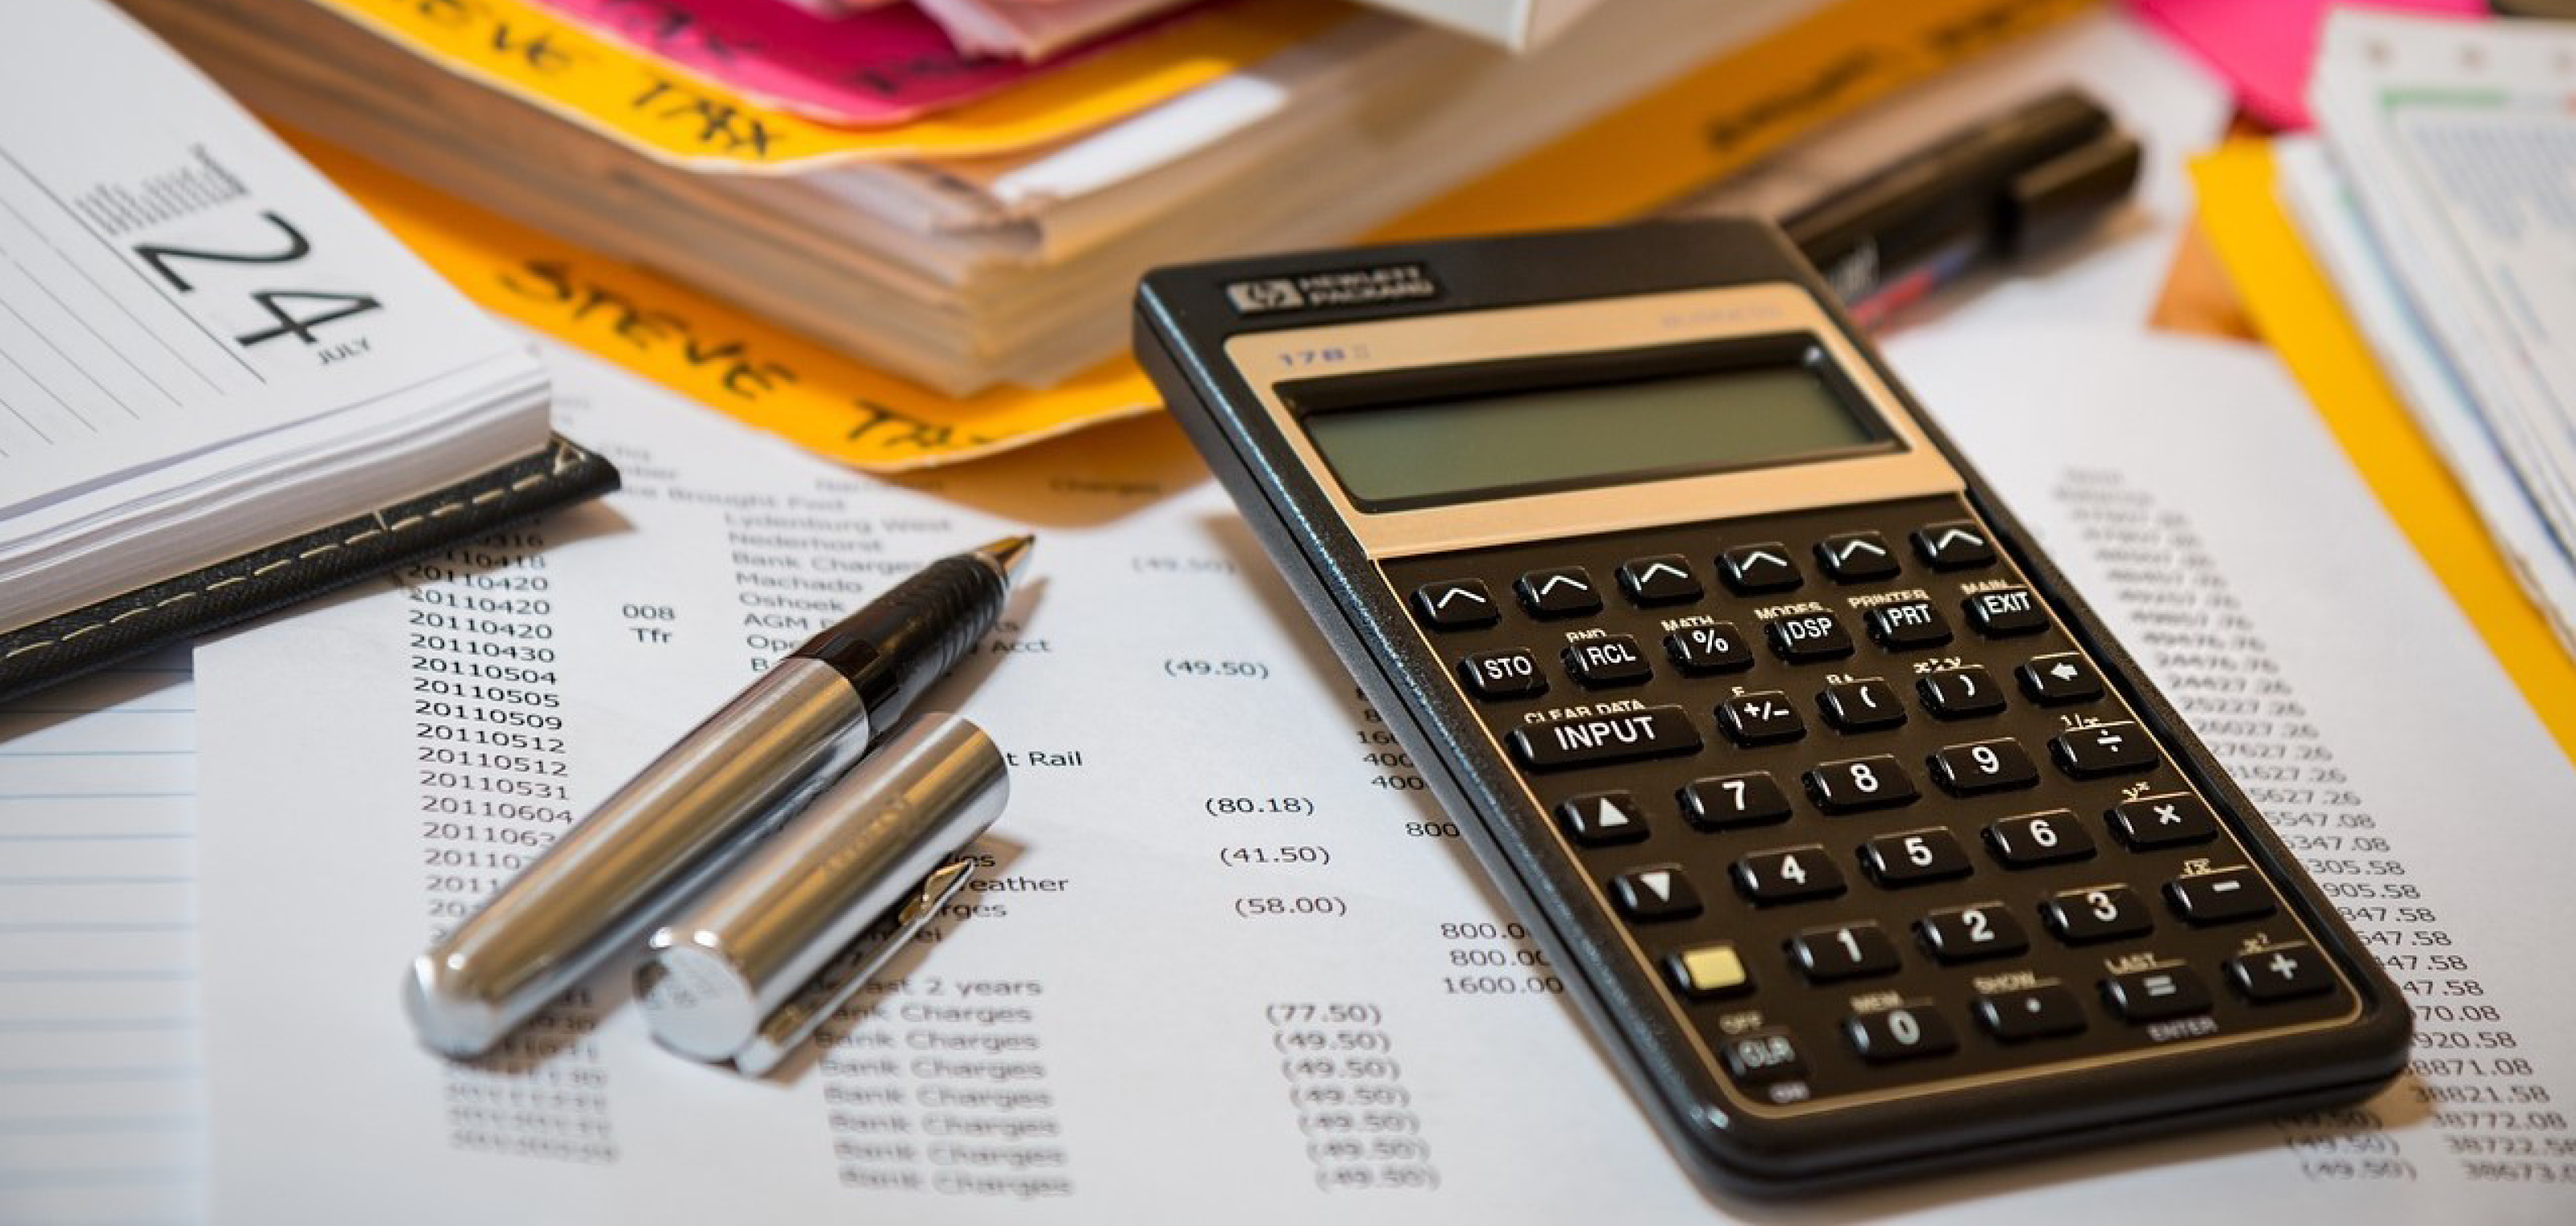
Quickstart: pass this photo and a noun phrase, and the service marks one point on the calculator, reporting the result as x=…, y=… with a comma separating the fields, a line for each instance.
x=1863, y=847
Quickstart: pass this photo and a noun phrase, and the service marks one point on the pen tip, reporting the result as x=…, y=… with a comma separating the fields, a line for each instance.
x=1009, y=555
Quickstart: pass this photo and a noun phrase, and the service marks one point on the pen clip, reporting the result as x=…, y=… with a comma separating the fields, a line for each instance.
x=792, y=1023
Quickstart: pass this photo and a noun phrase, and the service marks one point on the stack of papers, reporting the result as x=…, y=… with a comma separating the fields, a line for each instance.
x=204, y=347
x=994, y=243
x=2445, y=215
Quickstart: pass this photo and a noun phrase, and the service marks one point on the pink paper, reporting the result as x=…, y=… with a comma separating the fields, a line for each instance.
x=871, y=68
x=2263, y=47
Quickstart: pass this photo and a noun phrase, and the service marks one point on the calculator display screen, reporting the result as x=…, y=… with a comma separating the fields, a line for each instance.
x=1459, y=448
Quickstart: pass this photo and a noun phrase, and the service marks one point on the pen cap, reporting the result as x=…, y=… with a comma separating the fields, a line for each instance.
x=2069, y=192
x=858, y=850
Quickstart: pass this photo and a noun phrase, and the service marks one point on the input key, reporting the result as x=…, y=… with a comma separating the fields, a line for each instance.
x=1595, y=740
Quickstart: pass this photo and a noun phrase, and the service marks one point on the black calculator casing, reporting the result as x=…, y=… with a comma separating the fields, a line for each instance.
x=2021, y=1101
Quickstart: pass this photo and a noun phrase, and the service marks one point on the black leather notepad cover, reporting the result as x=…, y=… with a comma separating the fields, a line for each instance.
x=240, y=588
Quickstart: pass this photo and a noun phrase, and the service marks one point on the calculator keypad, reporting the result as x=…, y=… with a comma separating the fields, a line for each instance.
x=1864, y=809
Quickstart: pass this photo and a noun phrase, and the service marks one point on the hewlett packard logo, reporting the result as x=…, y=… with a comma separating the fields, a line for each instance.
x=1267, y=294
x=1339, y=288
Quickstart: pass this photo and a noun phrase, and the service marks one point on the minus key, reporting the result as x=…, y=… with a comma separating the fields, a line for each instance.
x=2221, y=897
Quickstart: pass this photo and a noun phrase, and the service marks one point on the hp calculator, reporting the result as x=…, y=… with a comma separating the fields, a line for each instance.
x=1866, y=850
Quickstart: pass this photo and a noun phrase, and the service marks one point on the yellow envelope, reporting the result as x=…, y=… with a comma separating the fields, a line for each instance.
x=2301, y=317
x=669, y=113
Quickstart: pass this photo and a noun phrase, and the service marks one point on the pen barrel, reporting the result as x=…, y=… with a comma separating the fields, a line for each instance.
x=904, y=641
x=856, y=854
x=601, y=886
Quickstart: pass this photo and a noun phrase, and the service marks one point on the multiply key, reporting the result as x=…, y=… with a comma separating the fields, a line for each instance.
x=2162, y=821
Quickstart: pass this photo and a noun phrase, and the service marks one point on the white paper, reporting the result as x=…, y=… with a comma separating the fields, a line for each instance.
x=102, y=1101
x=1234, y=972
x=2321, y=204
x=2455, y=138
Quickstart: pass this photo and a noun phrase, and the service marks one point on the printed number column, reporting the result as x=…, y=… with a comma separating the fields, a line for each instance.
x=493, y=762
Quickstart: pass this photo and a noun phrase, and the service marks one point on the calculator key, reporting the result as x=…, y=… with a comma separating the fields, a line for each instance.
x=1759, y=568
x=1502, y=674
x=1855, y=784
x=2222, y=897
x=1910, y=857
x=1455, y=604
x=1714, y=648
x=2004, y=612
x=2018, y=1015
x=2039, y=838
x=1808, y=637
x=1960, y=693
x=1714, y=969
x=1607, y=661
x=1788, y=875
x=1750, y=799
x=1761, y=1058
x=1593, y=740
x=1908, y=625
x=2174, y=820
x=2097, y=913
x=1760, y=718
x=1566, y=591
x=1600, y=819
x=1859, y=706
x=2286, y=973
x=1968, y=934
x=1908, y=1032
x=1657, y=892
x=2103, y=749
x=1845, y=951
x=2063, y=677
x=1856, y=557
x=1957, y=545
x=1662, y=579
x=1983, y=766
x=2157, y=994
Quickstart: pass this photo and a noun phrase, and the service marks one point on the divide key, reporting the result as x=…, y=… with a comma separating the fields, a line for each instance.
x=1592, y=740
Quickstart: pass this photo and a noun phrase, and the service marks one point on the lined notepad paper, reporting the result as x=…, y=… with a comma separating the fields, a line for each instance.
x=102, y=1109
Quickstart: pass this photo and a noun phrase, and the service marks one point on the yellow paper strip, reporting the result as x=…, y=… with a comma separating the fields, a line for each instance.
x=669, y=113
x=727, y=359
x=2301, y=317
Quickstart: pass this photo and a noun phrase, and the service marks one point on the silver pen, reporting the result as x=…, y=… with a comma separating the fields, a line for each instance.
x=702, y=805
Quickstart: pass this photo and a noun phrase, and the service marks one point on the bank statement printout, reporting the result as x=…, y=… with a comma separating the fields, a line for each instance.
x=1231, y=962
